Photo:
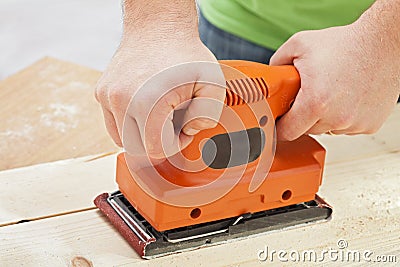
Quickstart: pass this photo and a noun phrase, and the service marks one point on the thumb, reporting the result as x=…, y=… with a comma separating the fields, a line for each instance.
x=286, y=53
x=204, y=109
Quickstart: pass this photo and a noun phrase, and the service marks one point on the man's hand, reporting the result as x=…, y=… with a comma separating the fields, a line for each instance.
x=350, y=75
x=158, y=35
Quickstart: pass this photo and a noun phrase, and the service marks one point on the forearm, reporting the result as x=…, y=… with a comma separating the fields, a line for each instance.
x=382, y=21
x=174, y=18
x=379, y=32
x=383, y=18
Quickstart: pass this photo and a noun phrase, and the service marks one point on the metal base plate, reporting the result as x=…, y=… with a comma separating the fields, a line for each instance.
x=207, y=234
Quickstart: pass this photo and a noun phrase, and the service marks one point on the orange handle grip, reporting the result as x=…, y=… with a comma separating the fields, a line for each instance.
x=280, y=84
x=250, y=87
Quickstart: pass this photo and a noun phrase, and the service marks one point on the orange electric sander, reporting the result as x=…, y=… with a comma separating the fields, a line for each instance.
x=230, y=182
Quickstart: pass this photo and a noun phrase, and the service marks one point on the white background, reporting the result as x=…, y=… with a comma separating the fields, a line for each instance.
x=85, y=32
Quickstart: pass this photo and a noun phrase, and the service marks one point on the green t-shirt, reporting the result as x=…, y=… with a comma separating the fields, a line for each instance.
x=270, y=23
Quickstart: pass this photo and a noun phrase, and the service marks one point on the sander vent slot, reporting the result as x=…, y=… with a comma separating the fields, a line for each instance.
x=247, y=90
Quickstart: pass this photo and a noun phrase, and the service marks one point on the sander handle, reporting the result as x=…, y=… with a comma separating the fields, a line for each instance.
x=282, y=82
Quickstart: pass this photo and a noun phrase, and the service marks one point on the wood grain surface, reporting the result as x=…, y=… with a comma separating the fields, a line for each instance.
x=364, y=194
x=47, y=217
x=48, y=112
x=361, y=181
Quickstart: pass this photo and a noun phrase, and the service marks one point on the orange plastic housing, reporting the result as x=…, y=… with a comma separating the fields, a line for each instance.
x=296, y=170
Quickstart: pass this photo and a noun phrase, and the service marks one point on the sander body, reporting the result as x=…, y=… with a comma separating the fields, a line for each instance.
x=231, y=182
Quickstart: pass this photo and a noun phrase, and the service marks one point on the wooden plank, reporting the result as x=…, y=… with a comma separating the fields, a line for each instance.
x=58, y=240
x=360, y=181
x=72, y=184
x=364, y=194
x=51, y=189
x=48, y=112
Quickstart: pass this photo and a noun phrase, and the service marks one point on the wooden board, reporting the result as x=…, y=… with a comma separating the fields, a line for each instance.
x=364, y=194
x=48, y=112
x=60, y=181
x=361, y=181
x=51, y=189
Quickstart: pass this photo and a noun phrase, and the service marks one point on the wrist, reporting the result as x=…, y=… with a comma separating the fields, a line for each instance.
x=377, y=33
x=158, y=40
x=160, y=19
x=380, y=26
